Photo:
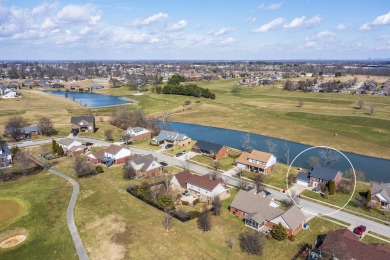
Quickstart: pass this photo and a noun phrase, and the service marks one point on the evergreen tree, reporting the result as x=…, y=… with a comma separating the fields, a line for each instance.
x=332, y=187
x=279, y=232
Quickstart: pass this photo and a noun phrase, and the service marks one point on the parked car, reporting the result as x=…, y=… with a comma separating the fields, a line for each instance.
x=164, y=164
x=179, y=154
x=184, y=151
x=168, y=146
x=359, y=230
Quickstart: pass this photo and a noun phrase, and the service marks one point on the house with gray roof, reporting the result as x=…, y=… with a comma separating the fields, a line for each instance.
x=138, y=134
x=261, y=211
x=380, y=192
x=145, y=165
x=322, y=176
x=172, y=138
x=82, y=124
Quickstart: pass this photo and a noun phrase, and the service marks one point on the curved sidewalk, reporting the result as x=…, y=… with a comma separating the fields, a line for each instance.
x=81, y=252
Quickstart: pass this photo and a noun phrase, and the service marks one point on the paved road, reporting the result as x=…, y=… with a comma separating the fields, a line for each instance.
x=305, y=204
x=81, y=252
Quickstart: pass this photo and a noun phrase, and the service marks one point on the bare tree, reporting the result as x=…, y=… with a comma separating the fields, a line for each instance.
x=259, y=184
x=287, y=152
x=217, y=204
x=108, y=134
x=242, y=185
x=230, y=242
x=329, y=156
x=236, y=88
x=314, y=161
x=215, y=164
x=14, y=127
x=204, y=220
x=247, y=143
x=167, y=176
x=360, y=175
x=128, y=170
x=301, y=103
x=271, y=146
x=214, y=175
x=239, y=172
x=126, y=138
x=167, y=221
x=82, y=167
x=24, y=161
x=252, y=242
x=46, y=126
x=187, y=164
x=372, y=109
x=361, y=104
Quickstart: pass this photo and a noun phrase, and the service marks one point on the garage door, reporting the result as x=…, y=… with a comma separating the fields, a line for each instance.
x=302, y=183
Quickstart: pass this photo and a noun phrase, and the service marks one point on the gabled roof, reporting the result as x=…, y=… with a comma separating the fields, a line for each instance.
x=114, y=149
x=97, y=155
x=66, y=141
x=323, y=173
x=302, y=176
x=343, y=244
x=31, y=128
x=252, y=202
x=170, y=136
x=208, y=147
x=254, y=155
x=293, y=217
x=204, y=182
x=77, y=119
x=382, y=189
x=145, y=160
x=136, y=129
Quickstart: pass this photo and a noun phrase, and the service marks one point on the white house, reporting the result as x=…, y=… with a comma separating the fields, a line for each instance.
x=10, y=94
x=5, y=156
x=256, y=161
x=68, y=143
x=138, y=133
x=202, y=187
x=112, y=154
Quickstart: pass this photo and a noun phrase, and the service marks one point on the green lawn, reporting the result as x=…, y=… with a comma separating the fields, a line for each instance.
x=44, y=199
x=176, y=149
x=370, y=239
x=145, y=144
x=226, y=163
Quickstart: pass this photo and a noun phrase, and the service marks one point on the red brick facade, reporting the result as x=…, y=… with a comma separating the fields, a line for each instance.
x=337, y=180
x=222, y=153
x=149, y=173
x=145, y=136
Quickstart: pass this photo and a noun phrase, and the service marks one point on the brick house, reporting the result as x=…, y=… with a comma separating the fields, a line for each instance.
x=343, y=244
x=145, y=165
x=172, y=138
x=114, y=154
x=213, y=150
x=321, y=175
x=259, y=210
x=202, y=187
x=256, y=161
x=380, y=193
x=138, y=134
x=82, y=124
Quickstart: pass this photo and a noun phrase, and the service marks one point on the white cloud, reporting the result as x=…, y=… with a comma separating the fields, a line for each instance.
x=44, y=8
x=365, y=27
x=177, y=26
x=268, y=26
x=273, y=6
x=48, y=23
x=79, y=14
x=151, y=19
x=222, y=31
x=310, y=44
x=324, y=34
x=296, y=22
x=302, y=21
x=341, y=26
x=227, y=41
x=380, y=20
x=250, y=19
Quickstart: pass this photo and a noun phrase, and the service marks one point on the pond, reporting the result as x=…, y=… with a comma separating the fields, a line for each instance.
x=90, y=100
x=375, y=169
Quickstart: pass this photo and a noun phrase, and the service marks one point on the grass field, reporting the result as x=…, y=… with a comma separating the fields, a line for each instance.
x=226, y=163
x=370, y=239
x=43, y=199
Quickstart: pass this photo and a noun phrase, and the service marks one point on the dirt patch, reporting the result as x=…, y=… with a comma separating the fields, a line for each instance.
x=13, y=241
x=105, y=233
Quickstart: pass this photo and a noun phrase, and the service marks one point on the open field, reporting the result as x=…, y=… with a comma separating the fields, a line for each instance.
x=43, y=199
x=266, y=110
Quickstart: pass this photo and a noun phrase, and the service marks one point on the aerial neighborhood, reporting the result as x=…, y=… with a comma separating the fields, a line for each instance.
x=202, y=176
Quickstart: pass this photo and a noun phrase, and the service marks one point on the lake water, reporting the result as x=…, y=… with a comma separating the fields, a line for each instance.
x=90, y=100
x=375, y=169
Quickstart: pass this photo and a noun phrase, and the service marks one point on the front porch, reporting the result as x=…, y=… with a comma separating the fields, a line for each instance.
x=253, y=224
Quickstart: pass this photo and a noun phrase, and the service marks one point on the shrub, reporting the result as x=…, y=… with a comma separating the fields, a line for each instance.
x=99, y=169
x=292, y=238
x=279, y=232
x=185, y=203
x=196, y=201
x=252, y=242
x=268, y=236
x=195, y=214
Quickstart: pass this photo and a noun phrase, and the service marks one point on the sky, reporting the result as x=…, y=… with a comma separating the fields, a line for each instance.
x=194, y=30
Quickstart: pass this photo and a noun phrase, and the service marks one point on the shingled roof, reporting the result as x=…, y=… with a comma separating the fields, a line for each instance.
x=77, y=119
x=204, y=182
x=382, y=189
x=252, y=202
x=208, y=147
x=343, y=244
x=323, y=173
x=144, y=161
